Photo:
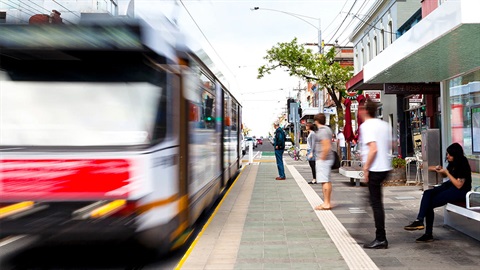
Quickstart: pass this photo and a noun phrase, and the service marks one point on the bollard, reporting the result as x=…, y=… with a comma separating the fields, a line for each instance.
x=250, y=152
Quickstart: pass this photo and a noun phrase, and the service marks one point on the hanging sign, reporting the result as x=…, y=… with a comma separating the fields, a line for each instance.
x=352, y=95
x=373, y=95
x=416, y=98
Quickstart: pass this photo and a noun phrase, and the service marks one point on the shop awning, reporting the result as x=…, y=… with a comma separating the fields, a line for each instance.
x=444, y=44
x=357, y=83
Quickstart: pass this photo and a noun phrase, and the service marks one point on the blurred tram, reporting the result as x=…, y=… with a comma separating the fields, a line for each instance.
x=108, y=131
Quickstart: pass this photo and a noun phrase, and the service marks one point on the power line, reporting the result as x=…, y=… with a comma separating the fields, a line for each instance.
x=342, y=22
x=346, y=27
x=338, y=14
x=65, y=8
x=203, y=34
x=36, y=10
x=19, y=8
x=374, y=27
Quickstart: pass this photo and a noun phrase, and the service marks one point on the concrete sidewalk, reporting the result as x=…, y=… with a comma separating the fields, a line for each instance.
x=269, y=224
x=450, y=250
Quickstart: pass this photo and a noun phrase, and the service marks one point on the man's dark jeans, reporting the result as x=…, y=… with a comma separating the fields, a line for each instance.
x=279, y=158
x=375, y=180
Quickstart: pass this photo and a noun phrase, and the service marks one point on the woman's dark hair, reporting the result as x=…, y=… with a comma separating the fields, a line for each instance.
x=312, y=126
x=456, y=151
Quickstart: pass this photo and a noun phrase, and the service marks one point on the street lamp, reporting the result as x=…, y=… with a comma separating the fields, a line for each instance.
x=300, y=17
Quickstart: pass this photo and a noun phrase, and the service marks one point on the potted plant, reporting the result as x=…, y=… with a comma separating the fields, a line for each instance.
x=398, y=173
x=398, y=162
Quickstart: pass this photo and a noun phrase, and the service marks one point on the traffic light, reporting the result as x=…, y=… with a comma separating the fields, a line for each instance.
x=208, y=109
x=289, y=100
x=299, y=111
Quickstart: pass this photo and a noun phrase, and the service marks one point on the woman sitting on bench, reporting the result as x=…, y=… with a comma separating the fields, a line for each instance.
x=459, y=182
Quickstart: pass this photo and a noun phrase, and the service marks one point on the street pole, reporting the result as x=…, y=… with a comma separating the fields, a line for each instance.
x=320, y=51
x=320, y=42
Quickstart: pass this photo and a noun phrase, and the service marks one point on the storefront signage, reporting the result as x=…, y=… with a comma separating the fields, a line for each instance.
x=373, y=95
x=416, y=98
x=331, y=110
x=411, y=88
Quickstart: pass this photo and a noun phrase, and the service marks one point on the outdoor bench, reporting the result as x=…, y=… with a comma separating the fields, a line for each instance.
x=353, y=170
x=465, y=217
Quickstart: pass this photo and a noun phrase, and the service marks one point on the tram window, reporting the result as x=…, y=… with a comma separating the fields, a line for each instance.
x=111, y=102
x=234, y=116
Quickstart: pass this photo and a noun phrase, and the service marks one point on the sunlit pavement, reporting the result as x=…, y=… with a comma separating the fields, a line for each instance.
x=271, y=224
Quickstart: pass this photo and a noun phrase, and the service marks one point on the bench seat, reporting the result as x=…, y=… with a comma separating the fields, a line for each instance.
x=354, y=173
x=463, y=217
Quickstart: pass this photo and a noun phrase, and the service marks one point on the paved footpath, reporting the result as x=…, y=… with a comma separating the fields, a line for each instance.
x=269, y=224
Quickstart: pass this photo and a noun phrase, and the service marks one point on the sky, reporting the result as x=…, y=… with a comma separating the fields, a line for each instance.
x=237, y=39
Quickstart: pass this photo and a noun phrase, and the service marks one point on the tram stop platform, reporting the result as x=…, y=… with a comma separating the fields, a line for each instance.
x=263, y=223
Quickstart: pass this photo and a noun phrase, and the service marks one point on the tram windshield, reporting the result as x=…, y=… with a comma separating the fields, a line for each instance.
x=101, y=101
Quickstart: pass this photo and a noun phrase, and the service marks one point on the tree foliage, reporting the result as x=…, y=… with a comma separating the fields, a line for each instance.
x=304, y=63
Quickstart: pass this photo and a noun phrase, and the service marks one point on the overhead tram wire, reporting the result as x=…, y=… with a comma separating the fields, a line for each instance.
x=351, y=21
x=203, y=34
x=19, y=8
x=65, y=8
x=338, y=14
x=342, y=22
x=331, y=23
x=31, y=1
x=34, y=9
x=374, y=27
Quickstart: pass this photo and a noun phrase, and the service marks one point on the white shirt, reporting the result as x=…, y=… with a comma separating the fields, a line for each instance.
x=378, y=131
x=341, y=139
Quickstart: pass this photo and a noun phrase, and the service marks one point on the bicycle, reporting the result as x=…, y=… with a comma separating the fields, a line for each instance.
x=297, y=154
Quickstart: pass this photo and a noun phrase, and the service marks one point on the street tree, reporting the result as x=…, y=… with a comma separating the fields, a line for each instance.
x=313, y=67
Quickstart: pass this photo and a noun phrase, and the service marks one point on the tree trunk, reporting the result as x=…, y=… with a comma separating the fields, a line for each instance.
x=338, y=104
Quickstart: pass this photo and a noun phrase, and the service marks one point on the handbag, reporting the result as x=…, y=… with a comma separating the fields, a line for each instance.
x=336, y=161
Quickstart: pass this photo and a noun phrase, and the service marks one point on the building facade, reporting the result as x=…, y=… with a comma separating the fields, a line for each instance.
x=384, y=23
x=441, y=49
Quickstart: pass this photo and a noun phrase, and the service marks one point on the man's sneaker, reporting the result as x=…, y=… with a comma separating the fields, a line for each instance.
x=425, y=238
x=280, y=178
x=416, y=225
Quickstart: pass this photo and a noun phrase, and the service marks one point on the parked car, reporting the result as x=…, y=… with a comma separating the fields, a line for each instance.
x=248, y=140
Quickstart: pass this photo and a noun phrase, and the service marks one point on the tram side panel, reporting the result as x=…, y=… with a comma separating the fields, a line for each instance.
x=204, y=142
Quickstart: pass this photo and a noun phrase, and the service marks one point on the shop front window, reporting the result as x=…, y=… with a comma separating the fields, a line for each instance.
x=463, y=100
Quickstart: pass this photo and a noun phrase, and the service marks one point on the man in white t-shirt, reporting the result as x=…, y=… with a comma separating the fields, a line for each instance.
x=341, y=144
x=375, y=148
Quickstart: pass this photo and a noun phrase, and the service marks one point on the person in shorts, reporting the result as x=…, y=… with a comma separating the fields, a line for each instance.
x=324, y=161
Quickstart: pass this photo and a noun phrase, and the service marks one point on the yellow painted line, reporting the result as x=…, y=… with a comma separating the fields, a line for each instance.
x=15, y=208
x=190, y=249
x=108, y=208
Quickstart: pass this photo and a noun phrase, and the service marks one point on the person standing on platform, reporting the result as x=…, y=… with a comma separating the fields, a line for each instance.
x=341, y=144
x=375, y=148
x=279, y=145
x=311, y=156
x=325, y=159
